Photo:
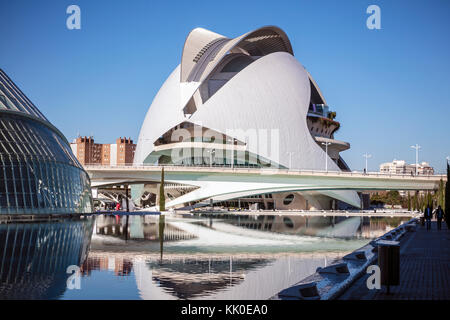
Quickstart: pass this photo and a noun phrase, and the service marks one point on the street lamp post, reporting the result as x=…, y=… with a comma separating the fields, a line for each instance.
x=367, y=156
x=417, y=147
x=326, y=144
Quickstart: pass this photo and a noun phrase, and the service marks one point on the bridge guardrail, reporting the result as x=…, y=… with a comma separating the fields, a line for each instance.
x=247, y=169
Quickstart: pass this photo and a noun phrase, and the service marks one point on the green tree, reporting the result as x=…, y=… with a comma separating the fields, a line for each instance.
x=393, y=197
x=424, y=202
x=376, y=199
x=429, y=200
x=447, y=198
x=421, y=203
x=162, y=225
x=409, y=201
x=162, y=197
x=332, y=115
x=441, y=194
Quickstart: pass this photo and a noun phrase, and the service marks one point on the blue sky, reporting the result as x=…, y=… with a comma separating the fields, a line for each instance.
x=389, y=87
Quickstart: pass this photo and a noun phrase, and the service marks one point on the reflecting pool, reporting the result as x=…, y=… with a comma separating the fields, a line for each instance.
x=171, y=257
x=34, y=257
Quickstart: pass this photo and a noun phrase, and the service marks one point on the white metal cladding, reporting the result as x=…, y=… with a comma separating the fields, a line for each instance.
x=164, y=113
x=270, y=95
x=196, y=41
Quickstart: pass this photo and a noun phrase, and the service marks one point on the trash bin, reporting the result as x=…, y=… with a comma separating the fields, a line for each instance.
x=389, y=262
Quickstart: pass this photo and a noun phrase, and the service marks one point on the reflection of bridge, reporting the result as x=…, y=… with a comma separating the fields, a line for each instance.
x=222, y=183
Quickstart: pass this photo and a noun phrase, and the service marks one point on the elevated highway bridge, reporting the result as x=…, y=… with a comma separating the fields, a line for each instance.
x=223, y=183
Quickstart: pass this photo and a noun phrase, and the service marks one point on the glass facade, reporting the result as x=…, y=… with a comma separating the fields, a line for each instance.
x=38, y=172
x=34, y=257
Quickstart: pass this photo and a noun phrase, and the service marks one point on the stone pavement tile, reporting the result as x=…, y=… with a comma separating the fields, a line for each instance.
x=424, y=269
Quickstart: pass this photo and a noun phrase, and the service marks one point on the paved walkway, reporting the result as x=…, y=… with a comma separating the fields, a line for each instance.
x=424, y=269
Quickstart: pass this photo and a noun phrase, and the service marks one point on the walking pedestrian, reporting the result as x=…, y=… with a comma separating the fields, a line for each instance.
x=427, y=215
x=439, y=213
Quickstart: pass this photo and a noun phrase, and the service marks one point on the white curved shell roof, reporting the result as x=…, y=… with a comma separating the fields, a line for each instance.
x=271, y=95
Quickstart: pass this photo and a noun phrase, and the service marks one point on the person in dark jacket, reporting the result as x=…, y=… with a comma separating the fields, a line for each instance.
x=439, y=213
x=428, y=215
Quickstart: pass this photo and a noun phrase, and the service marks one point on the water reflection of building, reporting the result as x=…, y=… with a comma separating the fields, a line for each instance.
x=226, y=260
x=39, y=173
x=138, y=228
x=292, y=224
x=35, y=256
x=233, y=233
x=192, y=277
x=120, y=266
x=331, y=226
x=378, y=226
x=223, y=277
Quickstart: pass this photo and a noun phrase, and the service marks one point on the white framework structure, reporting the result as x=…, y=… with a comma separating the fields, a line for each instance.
x=242, y=102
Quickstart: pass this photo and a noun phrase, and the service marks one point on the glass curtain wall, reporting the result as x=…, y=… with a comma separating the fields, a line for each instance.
x=38, y=171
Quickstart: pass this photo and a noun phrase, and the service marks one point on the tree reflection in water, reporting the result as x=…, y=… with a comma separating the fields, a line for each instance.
x=162, y=224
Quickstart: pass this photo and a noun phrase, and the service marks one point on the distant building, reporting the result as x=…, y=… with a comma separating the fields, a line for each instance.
x=401, y=167
x=89, y=152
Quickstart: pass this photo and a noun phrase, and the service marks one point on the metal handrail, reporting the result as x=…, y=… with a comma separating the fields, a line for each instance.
x=243, y=168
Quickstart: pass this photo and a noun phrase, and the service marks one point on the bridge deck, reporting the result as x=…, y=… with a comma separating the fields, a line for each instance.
x=260, y=171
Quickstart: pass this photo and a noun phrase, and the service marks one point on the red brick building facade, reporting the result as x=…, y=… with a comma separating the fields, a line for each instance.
x=88, y=152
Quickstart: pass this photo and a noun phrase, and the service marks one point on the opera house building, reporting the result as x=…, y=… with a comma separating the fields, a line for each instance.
x=242, y=102
x=38, y=172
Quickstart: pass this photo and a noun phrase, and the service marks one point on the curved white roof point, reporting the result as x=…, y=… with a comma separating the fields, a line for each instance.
x=204, y=49
x=197, y=39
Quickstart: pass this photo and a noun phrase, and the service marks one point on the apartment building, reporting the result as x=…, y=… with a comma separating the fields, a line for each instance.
x=88, y=152
x=401, y=167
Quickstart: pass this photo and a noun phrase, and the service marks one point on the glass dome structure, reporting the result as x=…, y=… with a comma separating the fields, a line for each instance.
x=38, y=172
